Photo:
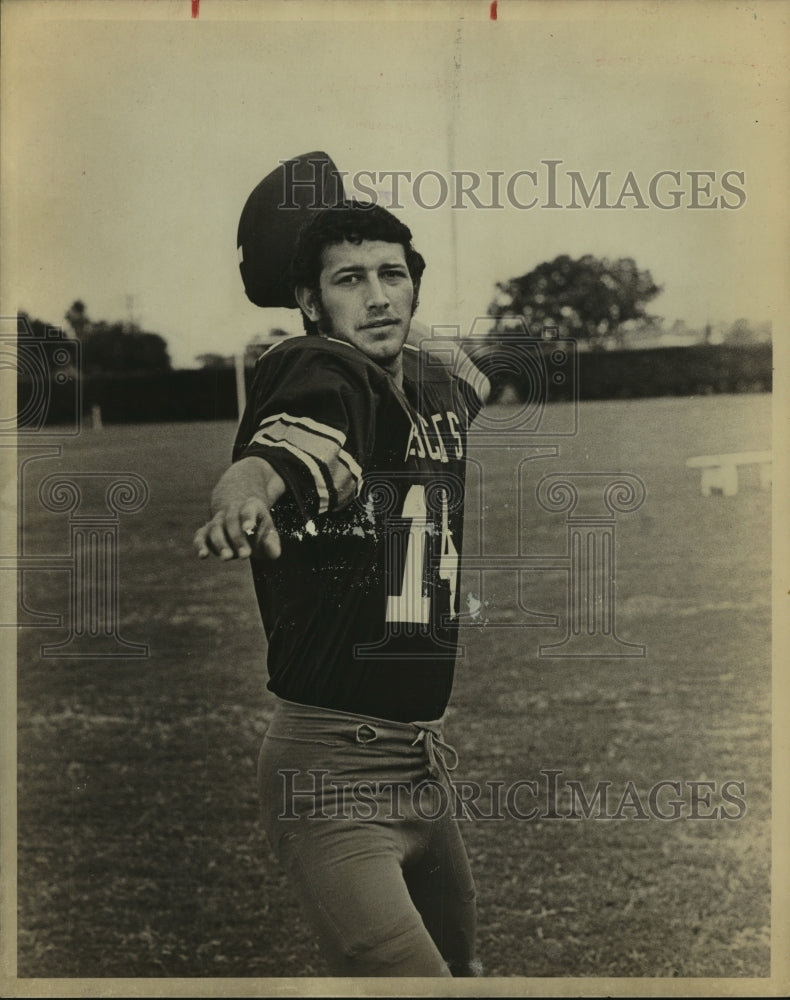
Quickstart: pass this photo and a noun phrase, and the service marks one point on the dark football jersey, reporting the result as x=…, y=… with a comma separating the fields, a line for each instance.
x=361, y=609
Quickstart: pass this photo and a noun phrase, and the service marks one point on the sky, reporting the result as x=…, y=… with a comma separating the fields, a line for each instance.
x=132, y=134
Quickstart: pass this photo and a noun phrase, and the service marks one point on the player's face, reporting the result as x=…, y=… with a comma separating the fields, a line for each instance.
x=366, y=296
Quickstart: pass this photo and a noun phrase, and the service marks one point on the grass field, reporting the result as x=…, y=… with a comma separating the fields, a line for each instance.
x=139, y=848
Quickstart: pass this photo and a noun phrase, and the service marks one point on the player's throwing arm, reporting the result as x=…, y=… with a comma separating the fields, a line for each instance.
x=241, y=513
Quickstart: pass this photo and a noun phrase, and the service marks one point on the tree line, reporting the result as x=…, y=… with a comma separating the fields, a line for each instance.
x=594, y=300
x=105, y=347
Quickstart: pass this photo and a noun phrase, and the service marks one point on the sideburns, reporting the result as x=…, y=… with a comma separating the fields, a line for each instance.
x=323, y=323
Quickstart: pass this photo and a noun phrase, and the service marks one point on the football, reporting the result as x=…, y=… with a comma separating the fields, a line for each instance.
x=271, y=219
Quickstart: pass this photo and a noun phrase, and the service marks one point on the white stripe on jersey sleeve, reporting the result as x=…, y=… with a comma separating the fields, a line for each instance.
x=309, y=423
x=307, y=460
x=324, y=451
x=324, y=443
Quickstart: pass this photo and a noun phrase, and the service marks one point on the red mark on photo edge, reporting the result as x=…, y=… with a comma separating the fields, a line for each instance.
x=195, y=8
x=492, y=13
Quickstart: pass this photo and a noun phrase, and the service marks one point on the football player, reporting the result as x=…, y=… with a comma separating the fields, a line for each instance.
x=346, y=493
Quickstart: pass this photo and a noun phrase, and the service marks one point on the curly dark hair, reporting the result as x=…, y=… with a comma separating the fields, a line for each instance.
x=352, y=221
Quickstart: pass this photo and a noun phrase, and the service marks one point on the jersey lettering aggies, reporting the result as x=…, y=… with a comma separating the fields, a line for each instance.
x=361, y=610
x=427, y=437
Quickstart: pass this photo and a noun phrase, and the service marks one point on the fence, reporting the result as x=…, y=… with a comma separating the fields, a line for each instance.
x=210, y=394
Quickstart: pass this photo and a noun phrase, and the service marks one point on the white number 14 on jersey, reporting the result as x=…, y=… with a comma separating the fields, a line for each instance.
x=411, y=604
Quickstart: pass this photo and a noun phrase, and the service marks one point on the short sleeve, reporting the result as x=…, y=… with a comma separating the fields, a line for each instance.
x=471, y=400
x=310, y=415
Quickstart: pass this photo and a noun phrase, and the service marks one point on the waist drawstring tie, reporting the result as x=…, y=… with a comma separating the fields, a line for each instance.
x=437, y=753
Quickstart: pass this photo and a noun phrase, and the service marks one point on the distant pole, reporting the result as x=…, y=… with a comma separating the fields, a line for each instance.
x=241, y=388
x=455, y=102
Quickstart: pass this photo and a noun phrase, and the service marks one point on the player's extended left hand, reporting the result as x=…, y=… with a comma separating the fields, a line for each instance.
x=241, y=522
x=236, y=532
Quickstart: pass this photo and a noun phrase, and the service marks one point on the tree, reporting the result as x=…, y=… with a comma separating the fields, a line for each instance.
x=116, y=347
x=252, y=351
x=258, y=345
x=27, y=325
x=77, y=318
x=212, y=360
x=740, y=333
x=589, y=298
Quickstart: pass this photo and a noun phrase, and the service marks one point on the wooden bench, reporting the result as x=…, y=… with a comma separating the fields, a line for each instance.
x=720, y=472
